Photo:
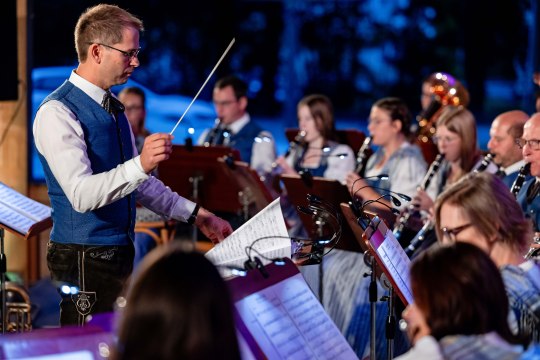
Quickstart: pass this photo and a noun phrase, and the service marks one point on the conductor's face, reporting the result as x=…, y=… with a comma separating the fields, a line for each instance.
x=228, y=107
x=120, y=59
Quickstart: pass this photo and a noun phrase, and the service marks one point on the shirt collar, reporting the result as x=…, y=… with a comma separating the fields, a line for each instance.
x=95, y=92
x=236, y=126
x=514, y=167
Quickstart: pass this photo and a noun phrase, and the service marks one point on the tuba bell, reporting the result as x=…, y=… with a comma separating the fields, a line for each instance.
x=18, y=309
x=445, y=90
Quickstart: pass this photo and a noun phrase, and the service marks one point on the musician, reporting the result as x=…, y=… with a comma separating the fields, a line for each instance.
x=178, y=307
x=528, y=196
x=93, y=171
x=456, y=139
x=319, y=154
x=505, y=129
x=235, y=128
x=480, y=210
x=389, y=126
x=460, y=307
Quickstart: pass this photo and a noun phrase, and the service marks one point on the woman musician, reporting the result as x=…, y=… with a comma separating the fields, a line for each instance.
x=320, y=154
x=456, y=139
x=480, y=210
x=389, y=126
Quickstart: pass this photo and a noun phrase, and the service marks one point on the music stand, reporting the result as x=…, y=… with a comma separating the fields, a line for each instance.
x=252, y=192
x=194, y=172
x=352, y=137
x=25, y=218
x=331, y=191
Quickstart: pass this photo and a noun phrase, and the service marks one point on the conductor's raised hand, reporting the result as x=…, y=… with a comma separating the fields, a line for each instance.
x=157, y=147
x=212, y=226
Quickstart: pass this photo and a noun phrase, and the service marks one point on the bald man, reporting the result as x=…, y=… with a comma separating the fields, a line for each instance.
x=505, y=129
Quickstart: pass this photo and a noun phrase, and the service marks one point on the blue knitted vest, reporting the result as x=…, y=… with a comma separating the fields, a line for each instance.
x=107, y=147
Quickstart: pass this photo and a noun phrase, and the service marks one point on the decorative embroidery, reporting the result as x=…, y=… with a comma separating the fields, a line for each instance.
x=84, y=301
x=103, y=255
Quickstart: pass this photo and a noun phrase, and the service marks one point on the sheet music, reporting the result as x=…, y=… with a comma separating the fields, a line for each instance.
x=25, y=206
x=15, y=220
x=270, y=223
x=393, y=256
x=288, y=322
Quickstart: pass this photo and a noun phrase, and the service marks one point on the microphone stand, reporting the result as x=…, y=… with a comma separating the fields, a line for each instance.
x=195, y=180
x=390, y=319
x=369, y=260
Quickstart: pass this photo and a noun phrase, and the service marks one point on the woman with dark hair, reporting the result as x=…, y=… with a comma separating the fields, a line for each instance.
x=178, y=307
x=389, y=128
x=319, y=154
x=479, y=209
x=460, y=306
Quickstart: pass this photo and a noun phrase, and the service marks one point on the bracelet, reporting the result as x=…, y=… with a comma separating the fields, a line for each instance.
x=193, y=216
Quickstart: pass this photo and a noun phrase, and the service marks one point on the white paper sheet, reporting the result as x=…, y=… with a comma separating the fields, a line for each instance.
x=288, y=322
x=268, y=225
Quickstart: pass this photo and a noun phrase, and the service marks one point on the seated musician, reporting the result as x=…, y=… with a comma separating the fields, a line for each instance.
x=235, y=128
x=178, y=307
x=528, y=196
x=319, y=153
x=460, y=307
x=389, y=126
x=505, y=129
x=316, y=153
x=480, y=210
x=456, y=139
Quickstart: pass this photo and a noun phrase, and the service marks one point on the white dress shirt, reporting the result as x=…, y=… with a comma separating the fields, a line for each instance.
x=60, y=139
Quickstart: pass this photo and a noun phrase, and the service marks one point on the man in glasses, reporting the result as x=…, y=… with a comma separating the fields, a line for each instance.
x=94, y=173
x=236, y=129
x=505, y=129
x=528, y=196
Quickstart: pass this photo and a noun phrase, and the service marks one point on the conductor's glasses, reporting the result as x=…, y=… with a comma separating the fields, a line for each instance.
x=451, y=233
x=130, y=54
x=534, y=144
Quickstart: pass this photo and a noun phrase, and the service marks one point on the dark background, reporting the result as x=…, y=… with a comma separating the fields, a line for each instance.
x=353, y=51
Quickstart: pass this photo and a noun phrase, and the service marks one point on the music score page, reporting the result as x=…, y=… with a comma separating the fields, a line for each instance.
x=289, y=323
x=266, y=231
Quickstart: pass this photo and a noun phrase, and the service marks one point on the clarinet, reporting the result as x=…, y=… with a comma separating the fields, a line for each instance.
x=485, y=163
x=428, y=226
x=520, y=179
x=362, y=154
x=403, y=220
x=298, y=140
x=533, y=252
x=419, y=238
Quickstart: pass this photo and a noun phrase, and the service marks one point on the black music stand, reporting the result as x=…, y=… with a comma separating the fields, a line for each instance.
x=195, y=173
x=352, y=137
x=331, y=191
x=252, y=192
x=32, y=233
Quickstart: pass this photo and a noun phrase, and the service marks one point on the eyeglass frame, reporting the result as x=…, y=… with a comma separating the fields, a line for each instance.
x=445, y=139
x=522, y=142
x=134, y=53
x=452, y=233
